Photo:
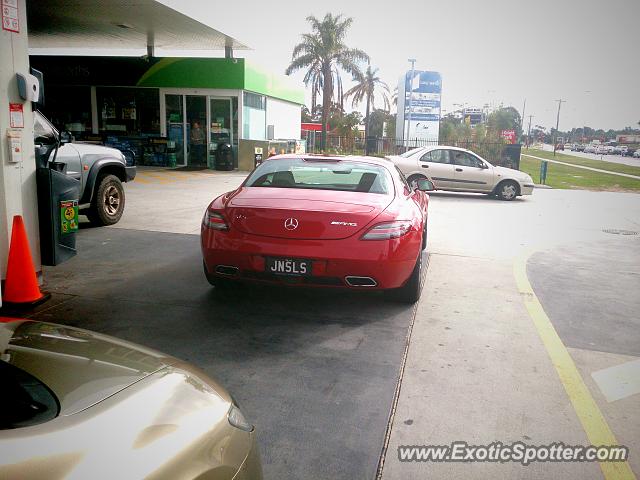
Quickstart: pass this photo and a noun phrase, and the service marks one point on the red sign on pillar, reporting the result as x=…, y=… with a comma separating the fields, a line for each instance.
x=10, y=19
x=509, y=135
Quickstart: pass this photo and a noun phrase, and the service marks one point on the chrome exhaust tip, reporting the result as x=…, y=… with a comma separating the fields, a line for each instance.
x=354, y=281
x=227, y=270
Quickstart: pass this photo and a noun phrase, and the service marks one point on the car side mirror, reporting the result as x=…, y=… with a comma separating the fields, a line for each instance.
x=484, y=166
x=425, y=185
x=65, y=137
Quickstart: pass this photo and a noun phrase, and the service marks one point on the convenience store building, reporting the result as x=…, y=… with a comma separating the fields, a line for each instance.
x=171, y=111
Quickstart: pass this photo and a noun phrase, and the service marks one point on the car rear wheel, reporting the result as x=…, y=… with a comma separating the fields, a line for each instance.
x=410, y=291
x=214, y=280
x=108, y=201
x=507, y=190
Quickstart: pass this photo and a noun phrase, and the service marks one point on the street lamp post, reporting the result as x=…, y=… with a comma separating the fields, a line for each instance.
x=529, y=132
x=555, y=135
x=413, y=61
x=584, y=129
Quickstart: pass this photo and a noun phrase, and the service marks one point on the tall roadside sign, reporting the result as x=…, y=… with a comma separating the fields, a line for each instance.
x=420, y=92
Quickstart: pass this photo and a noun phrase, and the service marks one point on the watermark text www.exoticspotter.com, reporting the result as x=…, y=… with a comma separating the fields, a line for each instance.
x=514, y=452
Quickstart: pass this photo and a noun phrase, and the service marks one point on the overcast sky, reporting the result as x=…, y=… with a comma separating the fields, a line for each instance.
x=491, y=51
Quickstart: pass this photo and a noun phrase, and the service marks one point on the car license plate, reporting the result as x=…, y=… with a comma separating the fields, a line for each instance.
x=288, y=266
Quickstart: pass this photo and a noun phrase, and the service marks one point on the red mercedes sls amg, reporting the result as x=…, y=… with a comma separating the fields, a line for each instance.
x=351, y=222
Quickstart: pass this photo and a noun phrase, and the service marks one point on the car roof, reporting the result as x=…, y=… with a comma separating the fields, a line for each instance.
x=448, y=147
x=354, y=158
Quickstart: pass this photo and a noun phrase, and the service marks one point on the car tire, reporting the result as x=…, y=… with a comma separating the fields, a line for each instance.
x=414, y=178
x=410, y=291
x=107, y=206
x=214, y=280
x=507, y=190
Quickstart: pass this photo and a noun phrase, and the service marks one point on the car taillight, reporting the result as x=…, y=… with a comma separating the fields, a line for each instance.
x=214, y=220
x=385, y=231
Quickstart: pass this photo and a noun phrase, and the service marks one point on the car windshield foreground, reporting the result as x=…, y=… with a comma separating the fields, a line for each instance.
x=341, y=175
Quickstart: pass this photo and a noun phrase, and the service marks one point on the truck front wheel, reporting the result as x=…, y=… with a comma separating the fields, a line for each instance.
x=108, y=202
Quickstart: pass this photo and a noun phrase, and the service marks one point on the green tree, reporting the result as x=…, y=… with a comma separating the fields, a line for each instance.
x=506, y=118
x=306, y=115
x=365, y=89
x=323, y=53
x=449, y=126
x=347, y=125
x=390, y=126
x=377, y=121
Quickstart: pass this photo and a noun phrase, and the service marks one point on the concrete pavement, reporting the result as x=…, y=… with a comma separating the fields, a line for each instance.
x=477, y=370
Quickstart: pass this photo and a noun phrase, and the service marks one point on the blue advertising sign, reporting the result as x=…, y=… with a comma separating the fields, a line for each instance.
x=423, y=92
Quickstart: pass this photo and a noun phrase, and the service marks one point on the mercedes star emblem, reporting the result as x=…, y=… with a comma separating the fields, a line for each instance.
x=291, y=223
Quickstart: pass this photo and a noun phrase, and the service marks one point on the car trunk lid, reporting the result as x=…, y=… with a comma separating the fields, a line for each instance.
x=303, y=213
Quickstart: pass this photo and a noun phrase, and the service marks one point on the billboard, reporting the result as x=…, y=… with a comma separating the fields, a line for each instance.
x=424, y=89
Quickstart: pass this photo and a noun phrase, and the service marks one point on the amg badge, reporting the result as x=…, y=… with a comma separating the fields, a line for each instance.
x=346, y=224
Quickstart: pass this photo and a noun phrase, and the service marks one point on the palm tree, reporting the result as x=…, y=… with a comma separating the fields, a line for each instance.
x=323, y=53
x=366, y=89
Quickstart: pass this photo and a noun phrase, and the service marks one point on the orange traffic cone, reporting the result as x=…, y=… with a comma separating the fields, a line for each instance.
x=21, y=286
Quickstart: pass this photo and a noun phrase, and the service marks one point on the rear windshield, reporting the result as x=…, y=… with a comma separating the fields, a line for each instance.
x=408, y=153
x=343, y=175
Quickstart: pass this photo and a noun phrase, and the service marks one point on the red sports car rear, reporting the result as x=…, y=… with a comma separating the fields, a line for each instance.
x=349, y=222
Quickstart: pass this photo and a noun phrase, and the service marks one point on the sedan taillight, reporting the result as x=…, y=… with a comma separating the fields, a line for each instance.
x=215, y=221
x=387, y=230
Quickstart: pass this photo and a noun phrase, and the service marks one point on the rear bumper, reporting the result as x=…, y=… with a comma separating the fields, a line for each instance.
x=388, y=262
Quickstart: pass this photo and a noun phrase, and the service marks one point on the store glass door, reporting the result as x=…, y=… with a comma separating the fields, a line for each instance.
x=196, y=130
x=221, y=122
x=175, y=129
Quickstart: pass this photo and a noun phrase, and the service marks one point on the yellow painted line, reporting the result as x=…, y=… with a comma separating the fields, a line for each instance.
x=140, y=179
x=148, y=178
x=594, y=424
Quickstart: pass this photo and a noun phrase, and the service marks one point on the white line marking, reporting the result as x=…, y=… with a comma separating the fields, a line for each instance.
x=620, y=381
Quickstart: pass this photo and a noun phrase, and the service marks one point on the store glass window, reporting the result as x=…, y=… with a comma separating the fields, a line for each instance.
x=69, y=108
x=128, y=111
x=254, y=117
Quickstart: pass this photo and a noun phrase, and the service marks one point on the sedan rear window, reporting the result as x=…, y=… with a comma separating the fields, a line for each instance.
x=25, y=400
x=343, y=175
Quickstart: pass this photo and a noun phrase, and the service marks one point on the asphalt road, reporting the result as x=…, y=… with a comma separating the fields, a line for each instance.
x=632, y=161
x=590, y=289
x=315, y=370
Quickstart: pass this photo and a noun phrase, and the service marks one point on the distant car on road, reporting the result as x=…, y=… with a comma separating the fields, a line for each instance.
x=602, y=150
x=590, y=149
x=320, y=221
x=579, y=147
x=636, y=154
x=78, y=404
x=458, y=169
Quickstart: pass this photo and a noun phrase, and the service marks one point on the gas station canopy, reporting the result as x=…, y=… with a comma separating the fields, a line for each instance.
x=119, y=24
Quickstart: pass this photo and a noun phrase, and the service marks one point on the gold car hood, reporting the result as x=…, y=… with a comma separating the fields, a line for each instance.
x=82, y=368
